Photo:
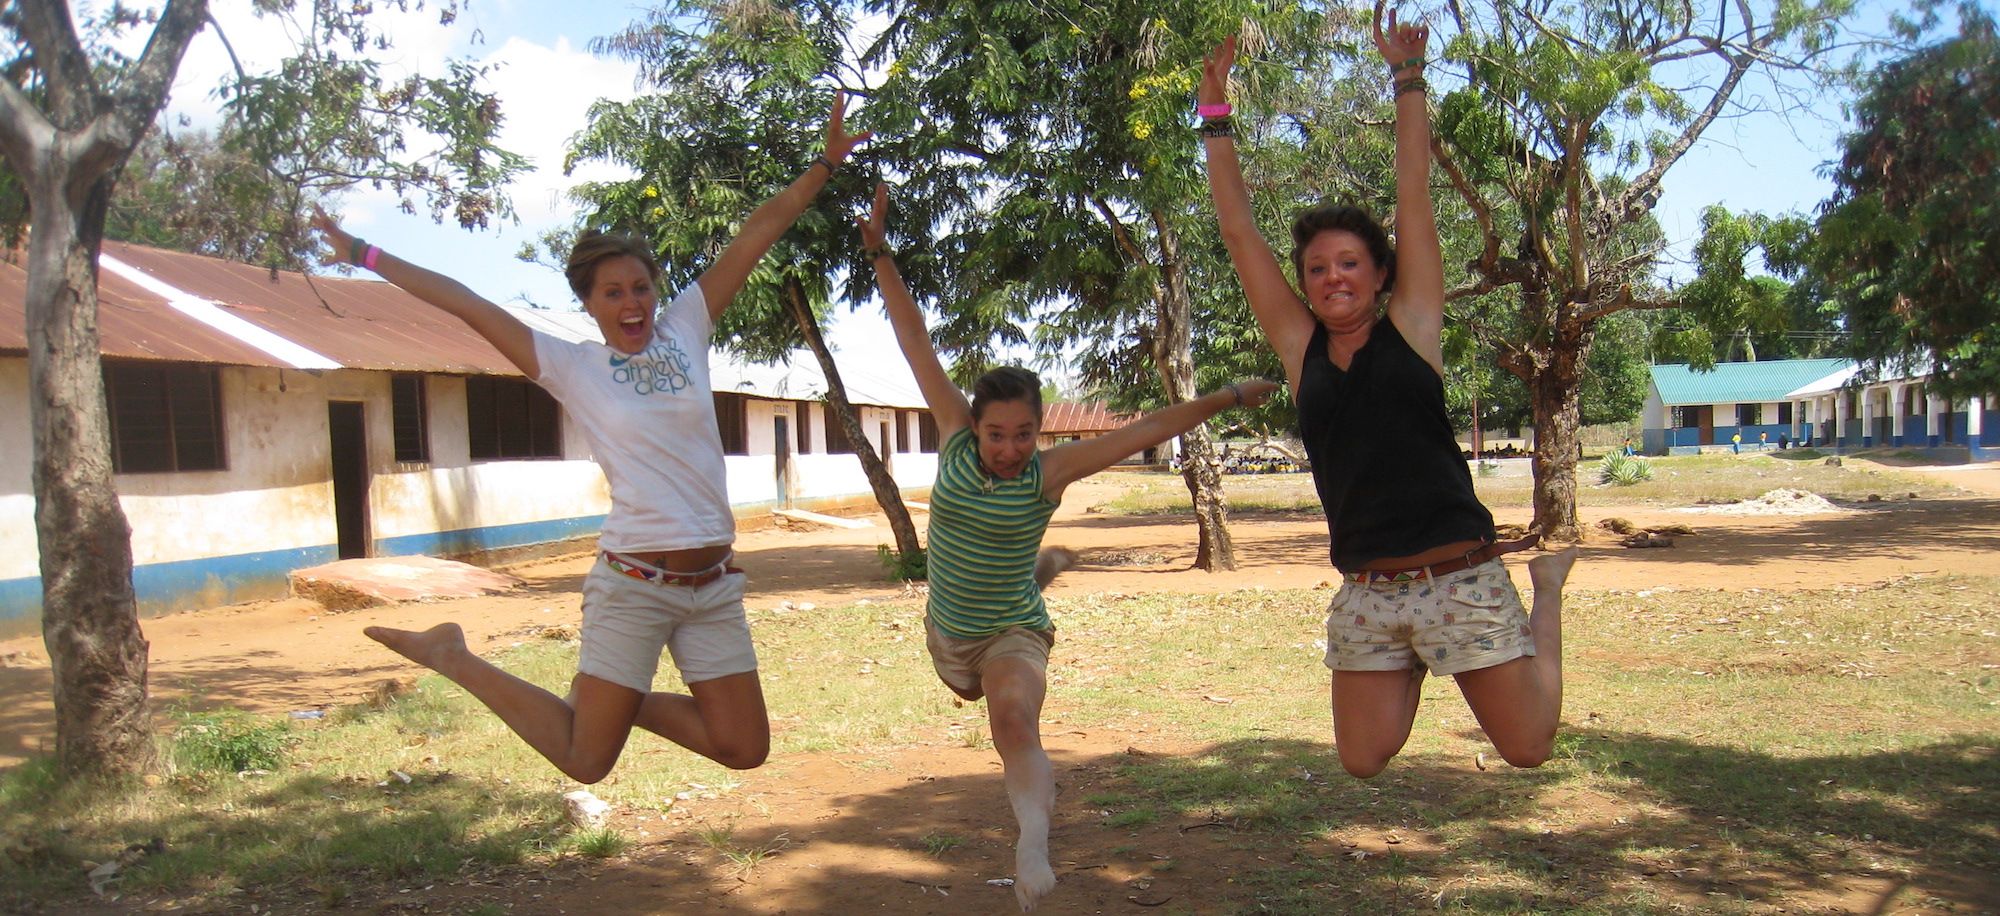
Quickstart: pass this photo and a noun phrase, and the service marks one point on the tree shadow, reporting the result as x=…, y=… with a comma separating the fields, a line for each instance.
x=1238, y=826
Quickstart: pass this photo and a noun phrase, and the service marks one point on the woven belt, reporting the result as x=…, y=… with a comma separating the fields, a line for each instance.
x=650, y=573
x=1472, y=558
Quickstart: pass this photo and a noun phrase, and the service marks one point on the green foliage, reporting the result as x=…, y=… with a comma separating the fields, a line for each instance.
x=1558, y=126
x=227, y=742
x=1905, y=245
x=741, y=110
x=1620, y=469
x=900, y=567
x=198, y=193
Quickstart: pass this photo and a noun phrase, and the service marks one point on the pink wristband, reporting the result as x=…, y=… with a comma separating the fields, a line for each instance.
x=1214, y=110
x=368, y=260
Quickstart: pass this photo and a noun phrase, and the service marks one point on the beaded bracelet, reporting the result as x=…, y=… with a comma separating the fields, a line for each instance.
x=1214, y=110
x=1238, y=392
x=356, y=250
x=1217, y=127
x=1416, y=61
x=872, y=252
x=825, y=162
x=1413, y=84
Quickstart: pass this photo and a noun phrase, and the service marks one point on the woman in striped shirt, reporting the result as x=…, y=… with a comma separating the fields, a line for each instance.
x=988, y=630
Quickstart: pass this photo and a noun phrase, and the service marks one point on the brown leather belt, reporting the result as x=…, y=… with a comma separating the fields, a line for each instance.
x=640, y=569
x=1472, y=558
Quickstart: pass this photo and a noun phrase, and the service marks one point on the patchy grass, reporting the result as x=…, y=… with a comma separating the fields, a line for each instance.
x=1723, y=750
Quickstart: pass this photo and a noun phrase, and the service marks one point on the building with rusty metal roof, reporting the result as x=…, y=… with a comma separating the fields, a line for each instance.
x=265, y=421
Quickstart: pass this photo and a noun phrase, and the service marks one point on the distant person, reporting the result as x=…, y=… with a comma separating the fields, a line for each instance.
x=1361, y=340
x=1736, y=443
x=1763, y=440
x=986, y=625
x=663, y=577
x=1628, y=447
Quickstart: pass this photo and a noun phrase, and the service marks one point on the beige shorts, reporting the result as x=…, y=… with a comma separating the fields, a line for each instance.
x=961, y=662
x=1457, y=622
x=627, y=621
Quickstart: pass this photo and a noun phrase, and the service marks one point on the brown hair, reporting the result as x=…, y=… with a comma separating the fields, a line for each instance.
x=593, y=248
x=1343, y=218
x=1007, y=383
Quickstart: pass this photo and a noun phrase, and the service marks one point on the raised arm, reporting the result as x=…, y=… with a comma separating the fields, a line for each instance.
x=1285, y=321
x=948, y=404
x=501, y=329
x=1068, y=463
x=766, y=224
x=1417, y=303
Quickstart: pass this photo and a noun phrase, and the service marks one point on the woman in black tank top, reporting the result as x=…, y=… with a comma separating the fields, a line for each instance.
x=1423, y=589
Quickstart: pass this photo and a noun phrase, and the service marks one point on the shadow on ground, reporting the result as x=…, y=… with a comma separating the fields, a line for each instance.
x=1620, y=822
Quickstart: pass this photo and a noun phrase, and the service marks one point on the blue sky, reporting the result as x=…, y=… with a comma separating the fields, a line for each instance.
x=546, y=79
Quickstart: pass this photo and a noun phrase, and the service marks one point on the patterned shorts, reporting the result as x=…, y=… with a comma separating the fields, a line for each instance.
x=1457, y=622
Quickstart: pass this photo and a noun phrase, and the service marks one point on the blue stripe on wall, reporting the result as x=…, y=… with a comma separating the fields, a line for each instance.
x=472, y=540
x=163, y=588
x=181, y=585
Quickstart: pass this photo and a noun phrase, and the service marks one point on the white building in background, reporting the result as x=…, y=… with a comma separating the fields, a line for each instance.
x=266, y=421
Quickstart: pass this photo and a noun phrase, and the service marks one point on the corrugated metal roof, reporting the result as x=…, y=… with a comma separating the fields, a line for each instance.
x=353, y=323
x=1080, y=417
x=1739, y=383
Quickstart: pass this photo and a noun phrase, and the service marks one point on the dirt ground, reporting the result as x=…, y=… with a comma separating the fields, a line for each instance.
x=837, y=812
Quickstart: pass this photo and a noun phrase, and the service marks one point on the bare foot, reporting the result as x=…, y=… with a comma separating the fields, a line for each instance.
x=1051, y=562
x=433, y=648
x=1032, y=876
x=1549, y=571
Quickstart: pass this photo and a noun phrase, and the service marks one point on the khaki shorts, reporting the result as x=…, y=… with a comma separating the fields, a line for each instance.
x=961, y=662
x=1457, y=622
x=626, y=621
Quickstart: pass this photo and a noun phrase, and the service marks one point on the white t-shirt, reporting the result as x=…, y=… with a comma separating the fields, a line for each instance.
x=650, y=421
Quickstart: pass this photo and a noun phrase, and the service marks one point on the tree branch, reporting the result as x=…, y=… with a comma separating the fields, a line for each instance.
x=1118, y=230
x=1489, y=246
x=116, y=128
x=66, y=72
x=25, y=133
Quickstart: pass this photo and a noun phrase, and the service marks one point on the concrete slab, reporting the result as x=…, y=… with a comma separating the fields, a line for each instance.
x=831, y=521
x=346, y=585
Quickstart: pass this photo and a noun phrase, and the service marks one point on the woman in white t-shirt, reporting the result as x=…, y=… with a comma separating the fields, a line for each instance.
x=643, y=401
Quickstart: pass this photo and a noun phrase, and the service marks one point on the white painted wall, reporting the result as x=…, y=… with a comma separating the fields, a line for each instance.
x=276, y=492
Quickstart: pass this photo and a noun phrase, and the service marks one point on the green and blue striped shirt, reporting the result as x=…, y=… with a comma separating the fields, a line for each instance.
x=984, y=534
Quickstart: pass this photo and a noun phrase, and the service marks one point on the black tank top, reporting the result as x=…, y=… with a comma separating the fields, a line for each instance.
x=1387, y=465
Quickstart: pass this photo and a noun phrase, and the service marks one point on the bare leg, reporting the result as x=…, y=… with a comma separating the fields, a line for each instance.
x=1519, y=703
x=582, y=740
x=1014, y=692
x=1372, y=714
x=1050, y=563
x=724, y=720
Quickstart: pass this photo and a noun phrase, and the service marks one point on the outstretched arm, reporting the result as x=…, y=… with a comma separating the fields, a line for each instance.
x=505, y=332
x=1417, y=304
x=1286, y=322
x=948, y=404
x=768, y=223
x=1071, y=462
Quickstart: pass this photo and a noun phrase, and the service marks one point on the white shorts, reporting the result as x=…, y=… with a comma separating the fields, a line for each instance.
x=627, y=620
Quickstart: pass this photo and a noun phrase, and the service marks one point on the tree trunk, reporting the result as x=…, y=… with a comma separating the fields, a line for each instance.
x=1173, y=356
x=90, y=620
x=887, y=495
x=1556, y=389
